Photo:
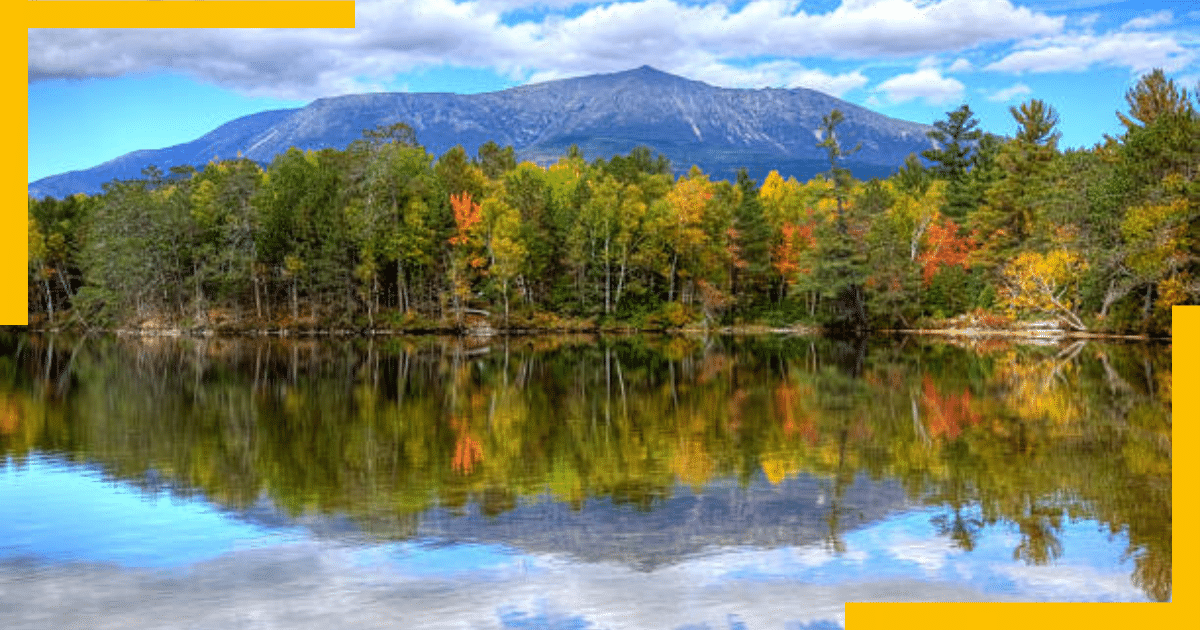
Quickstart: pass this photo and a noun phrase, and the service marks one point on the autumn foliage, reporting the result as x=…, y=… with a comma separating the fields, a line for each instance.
x=468, y=452
x=467, y=216
x=794, y=240
x=947, y=414
x=944, y=247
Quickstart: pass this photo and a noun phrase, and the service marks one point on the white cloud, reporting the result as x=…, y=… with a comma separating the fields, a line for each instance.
x=397, y=37
x=960, y=65
x=925, y=83
x=867, y=28
x=1017, y=89
x=1139, y=51
x=836, y=85
x=1088, y=21
x=1161, y=18
x=777, y=74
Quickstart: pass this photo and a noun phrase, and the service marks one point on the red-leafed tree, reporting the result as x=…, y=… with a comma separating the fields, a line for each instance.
x=944, y=247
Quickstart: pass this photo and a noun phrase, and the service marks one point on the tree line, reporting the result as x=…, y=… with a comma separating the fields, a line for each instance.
x=383, y=234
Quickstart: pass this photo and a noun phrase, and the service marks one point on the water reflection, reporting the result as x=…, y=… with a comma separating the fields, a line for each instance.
x=651, y=456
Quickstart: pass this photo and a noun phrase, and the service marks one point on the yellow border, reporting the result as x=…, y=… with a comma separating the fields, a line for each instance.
x=1185, y=375
x=1186, y=343
x=189, y=14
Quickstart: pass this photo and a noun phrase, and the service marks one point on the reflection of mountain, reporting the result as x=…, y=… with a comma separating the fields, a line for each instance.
x=795, y=512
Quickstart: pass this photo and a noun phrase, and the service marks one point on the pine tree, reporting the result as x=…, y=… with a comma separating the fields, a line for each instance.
x=843, y=270
x=751, y=235
x=957, y=138
x=1012, y=206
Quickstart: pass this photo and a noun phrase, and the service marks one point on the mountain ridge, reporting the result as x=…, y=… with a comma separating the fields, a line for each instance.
x=688, y=121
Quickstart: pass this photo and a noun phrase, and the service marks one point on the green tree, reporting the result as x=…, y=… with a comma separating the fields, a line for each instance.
x=506, y=249
x=750, y=240
x=842, y=271
x=956, y=138
x=1153, y=197
x=495, y=161
x=1013, y=204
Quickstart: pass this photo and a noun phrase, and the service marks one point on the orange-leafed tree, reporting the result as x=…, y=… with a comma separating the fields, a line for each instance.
x=791, y=255
x=945, y=247
x=466, y=257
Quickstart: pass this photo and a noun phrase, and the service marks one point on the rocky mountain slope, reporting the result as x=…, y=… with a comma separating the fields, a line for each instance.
x=690, y=122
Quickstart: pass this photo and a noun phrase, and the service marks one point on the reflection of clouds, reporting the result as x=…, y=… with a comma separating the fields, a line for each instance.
x=1073, y=582
x=931, y=555
x=781, y=561
x=318, y=585
x=1089, y=570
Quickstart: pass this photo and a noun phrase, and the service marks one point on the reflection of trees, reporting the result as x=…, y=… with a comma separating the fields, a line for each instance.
x=957, y=496
x=963, y=530
x=1039, y=541
x=384, y=430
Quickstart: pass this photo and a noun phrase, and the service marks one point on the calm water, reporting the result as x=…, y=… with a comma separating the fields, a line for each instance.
x=572, y=482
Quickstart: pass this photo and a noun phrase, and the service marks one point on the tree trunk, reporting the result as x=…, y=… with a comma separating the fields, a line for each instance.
x=49, y=298
x=621, y=281
x=607, y=278
x=671, y=293
x=62, y=279
x=257, y=297
x=373, y=301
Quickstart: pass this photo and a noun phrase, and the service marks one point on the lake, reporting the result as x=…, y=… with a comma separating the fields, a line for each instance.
x=573, y=481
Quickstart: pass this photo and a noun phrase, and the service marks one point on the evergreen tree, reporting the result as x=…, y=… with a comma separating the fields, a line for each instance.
x=956, y=138
x=751, y=236
x=842, y=271
x=495, y=161
x=1013, y=203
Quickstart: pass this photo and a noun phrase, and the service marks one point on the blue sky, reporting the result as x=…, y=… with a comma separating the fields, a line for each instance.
x=98, y=94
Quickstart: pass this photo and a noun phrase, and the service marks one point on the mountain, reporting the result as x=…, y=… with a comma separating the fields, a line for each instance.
x=690, y=122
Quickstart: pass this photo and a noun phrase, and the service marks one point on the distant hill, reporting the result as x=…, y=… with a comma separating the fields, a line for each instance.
x=690, y=122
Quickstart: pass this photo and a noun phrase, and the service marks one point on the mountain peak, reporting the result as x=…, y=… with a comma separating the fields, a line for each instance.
x=688, y=121
x=648, y=72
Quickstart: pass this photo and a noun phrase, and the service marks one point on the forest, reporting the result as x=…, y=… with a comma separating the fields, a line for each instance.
x=385, y=236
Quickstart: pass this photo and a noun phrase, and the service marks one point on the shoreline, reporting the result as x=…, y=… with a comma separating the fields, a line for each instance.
x=1024, y=333
x=1033, y=333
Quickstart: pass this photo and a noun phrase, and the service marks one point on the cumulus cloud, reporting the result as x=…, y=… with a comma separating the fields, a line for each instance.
x=779, y=74
x=397, y=37
x=1008, y=93
x=925, y=83
x=960, y=65
x=1138, y=51
x=1161, y=18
